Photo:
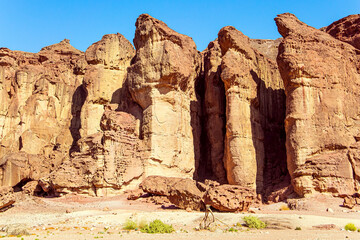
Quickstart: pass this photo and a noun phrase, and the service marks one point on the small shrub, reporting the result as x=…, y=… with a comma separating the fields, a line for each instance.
x=254, y=222
x=157, y=226
x=358, y=229
x=129, y=225
x=232, y=229
x=284, y=208
x=298, y=228
x=350, y=227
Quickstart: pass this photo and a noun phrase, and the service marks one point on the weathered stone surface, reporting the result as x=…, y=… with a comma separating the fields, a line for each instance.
x=21, y=166
x=346, y=29
x=162, y=80
x=255, y=104
x=349, y=202
x=158, y=185
x=269, y=48
x=185, y=194
x=229, y=198
x=108, y=162
x=104, y=80
x=321, y=76
x=36, y=92
x=214, y=111
x=6, y=197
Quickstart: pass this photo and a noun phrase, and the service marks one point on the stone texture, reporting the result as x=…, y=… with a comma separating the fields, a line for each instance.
x=104, y=80
x=185, y=194
x=158, y=185
x=346, y=29
x=255, y=102
x=36, y=92
x=162, y=79
x=108, y=162
x=229, y=198
x=7, y=197
x=321, y=78
x=214, y=110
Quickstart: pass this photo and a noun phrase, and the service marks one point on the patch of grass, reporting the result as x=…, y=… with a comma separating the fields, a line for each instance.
x=284, y=208
x=298, y=228
x=157, y=226
x=350, y=227
x=254, y=222
x=129, y=225
x=232, y=229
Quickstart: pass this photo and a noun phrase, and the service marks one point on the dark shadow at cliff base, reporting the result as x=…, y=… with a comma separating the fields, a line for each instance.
x=268, y=112
x=77, y=103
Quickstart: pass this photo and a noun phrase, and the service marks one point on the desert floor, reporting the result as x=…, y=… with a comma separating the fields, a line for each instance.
x=79, y=217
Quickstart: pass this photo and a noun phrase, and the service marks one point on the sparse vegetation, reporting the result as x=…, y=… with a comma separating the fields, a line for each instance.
x=284, y=208
x=157, y=226
x=254, y=222
x=232, y=229
x=129, y=225
x=298, y=228
x=350, y=227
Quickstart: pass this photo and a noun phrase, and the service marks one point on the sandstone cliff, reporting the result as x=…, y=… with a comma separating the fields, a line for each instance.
x=247, y=112
x=36, y=91
x=321, y=78
x=162, y=81
x=244, y=93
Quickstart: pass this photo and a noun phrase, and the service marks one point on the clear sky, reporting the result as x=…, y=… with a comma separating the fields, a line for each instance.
x=29, y=25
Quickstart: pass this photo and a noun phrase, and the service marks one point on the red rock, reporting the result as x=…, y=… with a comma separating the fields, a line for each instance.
x=229, y=198
x=346, y=29
x=321, y=78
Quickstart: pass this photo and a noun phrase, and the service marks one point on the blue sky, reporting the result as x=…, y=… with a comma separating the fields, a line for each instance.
x=29, y=25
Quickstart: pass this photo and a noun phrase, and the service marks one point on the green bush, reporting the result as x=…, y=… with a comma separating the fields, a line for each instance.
x=232, y=229
x=157, y=226
x=129, y=225
x=298, y=228
x=350, y=227
x=254, y=222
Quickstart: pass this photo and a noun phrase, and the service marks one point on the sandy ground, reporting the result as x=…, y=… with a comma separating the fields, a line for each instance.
x=80, y=217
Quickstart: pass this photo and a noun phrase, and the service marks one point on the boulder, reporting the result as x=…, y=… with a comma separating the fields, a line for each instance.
x=184, y=194
x=230, y=198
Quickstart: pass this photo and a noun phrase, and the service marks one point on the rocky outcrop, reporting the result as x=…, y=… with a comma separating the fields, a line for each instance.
x=245, y=88
x=162, y=79
x=104, y=80
x=36, y=91
x=346, y=29
x=321, y=77
x=108, y=162
x=189, y=194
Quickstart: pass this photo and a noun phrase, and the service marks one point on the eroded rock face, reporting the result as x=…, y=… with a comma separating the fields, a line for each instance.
x=108, y=162
x=162, y=81
x=36, y=91
x=254, y=103
x=321, y=77
x=189, y=194
x=230, y=198
x=346, y=29
x=104, y=80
